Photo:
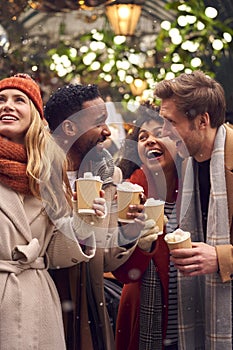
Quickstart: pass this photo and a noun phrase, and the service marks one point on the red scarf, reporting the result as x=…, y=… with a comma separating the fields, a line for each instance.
x=13, y=163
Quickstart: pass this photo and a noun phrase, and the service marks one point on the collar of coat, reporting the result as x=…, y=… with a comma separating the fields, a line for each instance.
x=229, y=146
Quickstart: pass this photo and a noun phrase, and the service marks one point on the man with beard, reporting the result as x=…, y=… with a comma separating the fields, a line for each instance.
x=193, y=107
x=76, y=115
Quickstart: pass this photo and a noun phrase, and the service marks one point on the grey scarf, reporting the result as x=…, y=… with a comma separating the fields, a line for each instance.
x=103, y=165
x=99, y=163
x=204, y=304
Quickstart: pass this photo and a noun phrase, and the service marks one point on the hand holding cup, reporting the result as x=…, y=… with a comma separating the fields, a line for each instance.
x=149, y=234
x=128, y=195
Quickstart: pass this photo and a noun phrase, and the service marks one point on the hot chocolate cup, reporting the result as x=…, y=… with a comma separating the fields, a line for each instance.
x=154, y=209
x=127, y=194
x=88, y=188
x=178, y=239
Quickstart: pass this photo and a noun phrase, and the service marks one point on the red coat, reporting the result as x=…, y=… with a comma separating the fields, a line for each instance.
x=131, y=272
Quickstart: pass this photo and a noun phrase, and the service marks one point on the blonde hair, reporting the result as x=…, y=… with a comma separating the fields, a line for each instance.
x=46, y=167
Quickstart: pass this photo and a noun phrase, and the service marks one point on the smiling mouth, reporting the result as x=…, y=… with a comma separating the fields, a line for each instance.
x=101, y=141
x=154, y=154
x=8, y=117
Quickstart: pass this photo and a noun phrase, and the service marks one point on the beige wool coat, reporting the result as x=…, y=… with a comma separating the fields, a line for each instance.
x=30, y=310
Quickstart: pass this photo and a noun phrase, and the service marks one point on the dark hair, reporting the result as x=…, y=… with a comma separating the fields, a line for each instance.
x=194, y=94
x=128, y=159
x=68, y=100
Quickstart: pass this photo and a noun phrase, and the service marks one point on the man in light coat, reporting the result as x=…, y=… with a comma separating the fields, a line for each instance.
x=193, y=107
x=76, y=115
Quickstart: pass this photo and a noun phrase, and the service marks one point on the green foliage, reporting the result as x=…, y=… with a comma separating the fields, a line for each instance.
x=202, y=33
x=117, y=64
x=195, y=46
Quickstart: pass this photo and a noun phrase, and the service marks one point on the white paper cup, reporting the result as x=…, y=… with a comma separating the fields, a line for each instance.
x=127, y=194
x=154, y=209
x=88, y=188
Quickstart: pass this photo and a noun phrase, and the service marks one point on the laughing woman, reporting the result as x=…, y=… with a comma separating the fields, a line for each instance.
x=38, y=229
x=147, y=316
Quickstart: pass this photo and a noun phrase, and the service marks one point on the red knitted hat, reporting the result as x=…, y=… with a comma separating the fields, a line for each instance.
x=27, y=85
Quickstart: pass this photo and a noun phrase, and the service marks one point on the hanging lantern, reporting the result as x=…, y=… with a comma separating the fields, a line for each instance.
x=123, y=17
x=138, y=86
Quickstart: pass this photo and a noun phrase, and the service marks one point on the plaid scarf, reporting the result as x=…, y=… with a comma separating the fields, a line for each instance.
x=13, y=163
x=204, y=303
x=151, y=301
x=150, y=310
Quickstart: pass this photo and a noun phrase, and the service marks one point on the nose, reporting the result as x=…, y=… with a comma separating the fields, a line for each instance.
x=105, y=130
x=151, y=140
x=167, y=129
x=7, y=105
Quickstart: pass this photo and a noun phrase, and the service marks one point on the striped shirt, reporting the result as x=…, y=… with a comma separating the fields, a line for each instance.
x=172, y=334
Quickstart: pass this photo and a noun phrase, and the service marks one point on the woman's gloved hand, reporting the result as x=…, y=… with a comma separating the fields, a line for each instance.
x=149, y=234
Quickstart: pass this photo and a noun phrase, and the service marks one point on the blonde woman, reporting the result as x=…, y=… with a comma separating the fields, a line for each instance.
x=37, y=227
